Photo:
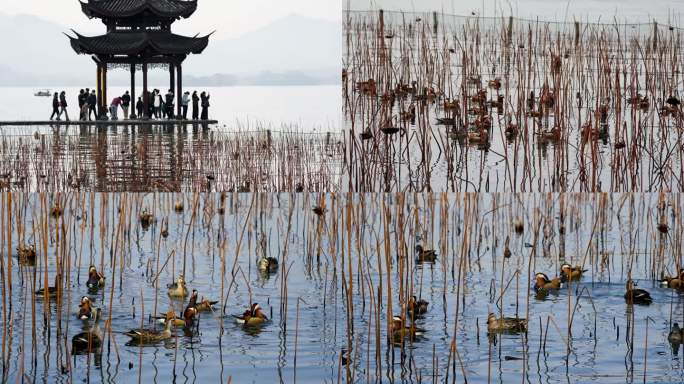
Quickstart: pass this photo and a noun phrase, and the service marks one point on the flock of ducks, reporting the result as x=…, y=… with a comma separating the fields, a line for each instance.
x=476, y=127
x=90, y=340
x=400, y=329
x=542, y=287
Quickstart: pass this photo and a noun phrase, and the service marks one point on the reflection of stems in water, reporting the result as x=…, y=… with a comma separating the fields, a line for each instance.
x=237, y=253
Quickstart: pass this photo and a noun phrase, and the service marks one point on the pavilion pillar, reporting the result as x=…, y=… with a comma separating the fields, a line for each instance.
x=133, y=100
x=172, y=77
x=104, y=90
x=146, y=94
x=179, y=96
x=172, y=81
x=98, y=92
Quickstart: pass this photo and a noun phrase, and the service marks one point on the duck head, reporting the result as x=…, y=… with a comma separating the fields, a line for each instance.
x=255, y=309
x=566, y=268
x=397, y=323
x=630, y=284
x=540, y=280
x=85, y=301
x=193, y=298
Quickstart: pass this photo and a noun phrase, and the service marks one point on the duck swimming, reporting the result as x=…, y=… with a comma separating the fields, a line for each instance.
x=553, y=134
x=570, y=273
x=90, y=340
x=676, y=338
x=268, y=264
x=425, y=255
x=518, y=226
x=253, y=316
x=146, y=218
x=51, y=291
x=676, y=334
x=637, y=296
x=95, y=278
x=27, y=254
x=56, y=211
x=674, y=282
x=542, y=282
x=142, y=335
x=400, y=331
x=85, y=309
x=178, y=289
x=506, y=324
x=417, y=307
x=170, y=316
x=205, y=305
x=178, y=206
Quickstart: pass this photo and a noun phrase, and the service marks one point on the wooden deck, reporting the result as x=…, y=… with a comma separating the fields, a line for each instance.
x=107, y=122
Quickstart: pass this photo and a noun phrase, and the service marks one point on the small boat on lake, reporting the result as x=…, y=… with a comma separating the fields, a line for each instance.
x=43, y=93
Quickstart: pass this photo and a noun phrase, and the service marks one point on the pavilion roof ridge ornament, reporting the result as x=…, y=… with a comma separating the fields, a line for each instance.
x=171, y=9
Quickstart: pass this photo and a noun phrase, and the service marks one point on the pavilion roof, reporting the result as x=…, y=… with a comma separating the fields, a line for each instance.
x=171, y=9
x=148, y=43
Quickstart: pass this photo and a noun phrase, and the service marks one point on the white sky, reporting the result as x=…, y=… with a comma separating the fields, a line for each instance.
x=230, y=18
x=632, y=10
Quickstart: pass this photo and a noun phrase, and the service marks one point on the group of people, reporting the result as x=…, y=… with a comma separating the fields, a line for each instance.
x=162, y=107
x=159, y=107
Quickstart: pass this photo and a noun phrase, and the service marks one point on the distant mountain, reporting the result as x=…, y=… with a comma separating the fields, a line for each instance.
x=38, y=48
x=291, y=43
x=294, y=50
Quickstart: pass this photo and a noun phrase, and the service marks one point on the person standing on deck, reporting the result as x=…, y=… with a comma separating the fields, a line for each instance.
x=205, y=105
x=140, y=107
x=163, y=106
x=195, y=105
x=63, y=105
x=169, y=104
x=157, y=104
x=82, y=100
x=92, y=102
x=114, y=108
x=184, y=103
x=55, y=107
x=125, y=103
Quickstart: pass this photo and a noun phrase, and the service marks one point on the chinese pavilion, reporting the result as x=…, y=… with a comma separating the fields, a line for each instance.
x=139, y=37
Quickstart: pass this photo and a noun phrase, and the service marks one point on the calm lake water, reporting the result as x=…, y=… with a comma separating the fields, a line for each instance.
x=348, y=270
x=306, y=107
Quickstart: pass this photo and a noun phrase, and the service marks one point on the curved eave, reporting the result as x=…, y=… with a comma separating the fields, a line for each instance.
x=93, y=9
x=194, y=45
x=149, y=44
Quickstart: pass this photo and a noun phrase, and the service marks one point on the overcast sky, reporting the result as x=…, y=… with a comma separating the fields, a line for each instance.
x=229, y=18
x=632, y=10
